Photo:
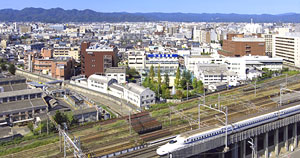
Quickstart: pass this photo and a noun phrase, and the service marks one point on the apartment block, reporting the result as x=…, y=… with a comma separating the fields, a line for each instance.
x=287, y=47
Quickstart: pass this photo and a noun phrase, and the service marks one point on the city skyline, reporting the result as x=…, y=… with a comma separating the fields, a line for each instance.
x=167, y=6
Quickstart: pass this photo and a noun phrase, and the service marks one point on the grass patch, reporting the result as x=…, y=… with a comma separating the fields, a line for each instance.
x=160, y=106
x=26, y=147
x=161, y=112
x=291, y=72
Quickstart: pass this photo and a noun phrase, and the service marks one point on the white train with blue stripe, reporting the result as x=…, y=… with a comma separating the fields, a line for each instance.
x=185, y=139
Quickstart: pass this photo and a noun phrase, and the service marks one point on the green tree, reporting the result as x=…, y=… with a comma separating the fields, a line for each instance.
x=200, y=88
x=3, y=67
x=146, y=82
x=165, y=91
x=60, y=118
x=187, y=76
x=177, y=79
x=183, y=83
x=158, y=76
x=167, y=79
x=194, y=83
x=178, y=94
x=12, y=69
x=151, y=73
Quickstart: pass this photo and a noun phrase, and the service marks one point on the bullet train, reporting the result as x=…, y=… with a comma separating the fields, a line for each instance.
x=186, y=139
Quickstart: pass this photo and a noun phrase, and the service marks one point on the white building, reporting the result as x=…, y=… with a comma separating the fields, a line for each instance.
x=136, y=60
x=117, y=73
x=239, y=65
x=132, y=93
x=214, y=73
x=287, y=47
x=138, y=95
x=269, y=43
x=100, y=83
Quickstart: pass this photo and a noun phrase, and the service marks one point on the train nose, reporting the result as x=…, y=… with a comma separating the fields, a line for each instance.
x=161, y=152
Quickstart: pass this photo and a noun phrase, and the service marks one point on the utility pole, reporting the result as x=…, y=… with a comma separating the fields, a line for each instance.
x=47, y=124
x=255, y=88
x=199, y=115
x=204, y=98
x=130, y=121
x=187, y=96
x=219, y=99
x=280, y=97
x=170, y=117
x=253, y=147
x=286, y=80
x=226, y=121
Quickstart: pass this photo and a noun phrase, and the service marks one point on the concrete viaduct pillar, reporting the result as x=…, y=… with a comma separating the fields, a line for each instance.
x=286, y=138
x=256, y=145
x=276, y=142
x=235, y=152
x=266, y=144
x=243, y=149
x=295, y=135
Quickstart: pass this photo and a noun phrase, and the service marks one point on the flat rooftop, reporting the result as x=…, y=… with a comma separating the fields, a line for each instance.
x=10, y=107
x=20, y=92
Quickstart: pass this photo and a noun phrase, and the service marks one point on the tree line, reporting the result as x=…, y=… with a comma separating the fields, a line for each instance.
x=184, y=84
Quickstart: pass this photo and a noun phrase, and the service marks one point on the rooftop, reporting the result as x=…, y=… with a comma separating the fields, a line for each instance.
x=99, y=78
x=135, y=88
x=22, y=104
x=20, y=92
x=116, y=70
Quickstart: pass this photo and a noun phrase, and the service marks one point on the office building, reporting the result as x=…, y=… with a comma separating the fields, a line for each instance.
x=287, y=47
x=95, y=59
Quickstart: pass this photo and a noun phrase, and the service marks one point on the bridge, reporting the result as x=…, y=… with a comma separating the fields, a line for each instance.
x=267, y=140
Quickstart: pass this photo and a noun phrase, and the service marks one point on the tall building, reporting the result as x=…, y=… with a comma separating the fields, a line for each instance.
x=95, y=59
x=269, y=43
x=288, y=47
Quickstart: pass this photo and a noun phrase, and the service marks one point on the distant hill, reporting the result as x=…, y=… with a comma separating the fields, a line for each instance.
x=58, y=15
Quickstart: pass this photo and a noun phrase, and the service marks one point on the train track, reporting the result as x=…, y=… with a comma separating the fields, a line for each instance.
x=149, y=152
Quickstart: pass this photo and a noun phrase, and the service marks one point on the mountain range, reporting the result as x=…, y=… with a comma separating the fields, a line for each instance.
x=59, y=15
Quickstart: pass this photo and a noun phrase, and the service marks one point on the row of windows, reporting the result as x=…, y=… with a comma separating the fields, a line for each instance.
x=25, y=97
x=147, y=96
x=146, y=102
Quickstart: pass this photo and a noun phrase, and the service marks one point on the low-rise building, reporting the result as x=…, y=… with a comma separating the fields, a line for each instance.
x=100, y=83
x=139, y=95
x=22, y=105
x=214, y=73
x=118, y=73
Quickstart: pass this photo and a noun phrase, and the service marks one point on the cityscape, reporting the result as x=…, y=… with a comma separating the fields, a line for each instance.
x=127, y=79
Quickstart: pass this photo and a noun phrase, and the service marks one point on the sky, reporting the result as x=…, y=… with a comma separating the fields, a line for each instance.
x=167, y=6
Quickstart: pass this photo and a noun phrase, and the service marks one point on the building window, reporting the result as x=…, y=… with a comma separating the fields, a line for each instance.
x=25, y=97
x=4, y=100
x=39, y=95
x=32, y=96
x=12, y=98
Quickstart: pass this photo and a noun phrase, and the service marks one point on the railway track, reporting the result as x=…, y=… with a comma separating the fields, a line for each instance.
x=149, y=152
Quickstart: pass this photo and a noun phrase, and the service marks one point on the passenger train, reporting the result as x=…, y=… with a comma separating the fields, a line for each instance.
x=185, y=139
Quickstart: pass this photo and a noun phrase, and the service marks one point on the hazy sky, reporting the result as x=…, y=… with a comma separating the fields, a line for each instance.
x=186, y=6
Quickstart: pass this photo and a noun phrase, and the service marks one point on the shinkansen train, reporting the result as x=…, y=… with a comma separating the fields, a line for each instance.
x=185, y=139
